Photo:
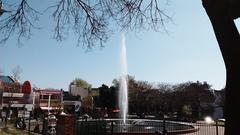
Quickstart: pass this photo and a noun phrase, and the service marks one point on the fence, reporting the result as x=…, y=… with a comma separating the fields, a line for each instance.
x=147, y=127
x=137, y=127
x=91, y=127
x=36, y=126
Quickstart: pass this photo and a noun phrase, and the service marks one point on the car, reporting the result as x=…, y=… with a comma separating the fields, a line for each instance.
x=222, y=120
x=85, y=116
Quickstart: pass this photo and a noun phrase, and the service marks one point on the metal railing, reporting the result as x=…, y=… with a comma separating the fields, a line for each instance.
x=149, y=127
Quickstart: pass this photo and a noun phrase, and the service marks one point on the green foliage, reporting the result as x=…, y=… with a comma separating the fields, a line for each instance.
x=12, y=131
x=115, y=83
x=184, y=98
x=187, y=110
x=82, y=83
x=87, y=102
x=134, y=84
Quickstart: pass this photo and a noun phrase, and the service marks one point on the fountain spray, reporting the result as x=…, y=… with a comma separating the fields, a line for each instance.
x=123, y=93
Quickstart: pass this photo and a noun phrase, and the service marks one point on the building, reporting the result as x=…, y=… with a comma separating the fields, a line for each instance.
x=78, y=91
x=71, y=104
x=48, y=100
x=15, y=96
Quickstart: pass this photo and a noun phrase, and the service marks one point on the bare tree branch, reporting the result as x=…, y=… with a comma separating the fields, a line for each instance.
x=137, y=14
x=88, y=19
x=16, y=72
x=20, y=22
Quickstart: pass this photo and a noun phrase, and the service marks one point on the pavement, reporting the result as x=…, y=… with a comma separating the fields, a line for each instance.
x=206, y=129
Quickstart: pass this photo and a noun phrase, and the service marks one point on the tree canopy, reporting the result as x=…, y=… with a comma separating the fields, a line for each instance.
x=82, y=83
x=89, y=19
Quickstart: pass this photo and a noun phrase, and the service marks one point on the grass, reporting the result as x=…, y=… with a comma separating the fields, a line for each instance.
x=12, y=131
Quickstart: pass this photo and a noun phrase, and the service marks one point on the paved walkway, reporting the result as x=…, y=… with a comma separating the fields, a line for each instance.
x=205, y=129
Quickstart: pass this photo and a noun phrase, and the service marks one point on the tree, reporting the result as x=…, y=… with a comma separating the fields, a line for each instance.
x=88, y=102
x=107, y=96
x=222, y=14
x=187, y=110
x=87, y=18
x=1, y=9
x=82, y=83
x=134, y=84
x=90, y=20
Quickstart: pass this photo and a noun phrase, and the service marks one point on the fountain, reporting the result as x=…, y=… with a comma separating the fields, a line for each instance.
x=125, y=126
x=123, y=94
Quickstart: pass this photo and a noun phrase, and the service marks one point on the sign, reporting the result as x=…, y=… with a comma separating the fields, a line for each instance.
x=26, y=87
x=17, y=105
x=11, y=87
x=10, y=94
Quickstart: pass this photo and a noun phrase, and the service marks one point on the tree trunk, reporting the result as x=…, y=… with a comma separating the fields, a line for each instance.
x=229, y=42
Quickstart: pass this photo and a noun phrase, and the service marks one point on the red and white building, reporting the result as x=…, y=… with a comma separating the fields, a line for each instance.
x=48, y=99
x=13, y=94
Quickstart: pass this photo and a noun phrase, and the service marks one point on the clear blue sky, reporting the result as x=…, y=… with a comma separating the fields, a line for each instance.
x=188, y=53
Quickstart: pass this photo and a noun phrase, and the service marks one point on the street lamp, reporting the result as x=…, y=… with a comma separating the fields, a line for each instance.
x=208, y=120
x=49, y=102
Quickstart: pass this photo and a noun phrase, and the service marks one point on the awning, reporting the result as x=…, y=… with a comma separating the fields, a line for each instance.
x=17, y=105
x=50, y=108
x=29, y=107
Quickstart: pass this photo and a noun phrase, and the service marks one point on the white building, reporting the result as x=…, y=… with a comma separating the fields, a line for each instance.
x=78, y=91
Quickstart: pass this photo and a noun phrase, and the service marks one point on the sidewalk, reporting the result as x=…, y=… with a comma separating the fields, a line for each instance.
x=11, y=130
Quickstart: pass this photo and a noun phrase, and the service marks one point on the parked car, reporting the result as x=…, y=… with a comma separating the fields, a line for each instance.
x=85, y=116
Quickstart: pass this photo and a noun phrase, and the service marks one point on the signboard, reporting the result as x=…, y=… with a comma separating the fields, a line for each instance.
x=15, y=98
x=10, y=94
x=11, y=87
x=26, y=87
x=17, y=105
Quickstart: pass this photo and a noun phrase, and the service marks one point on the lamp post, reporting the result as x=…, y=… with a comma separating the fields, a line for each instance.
x=49, y=103
x=33, y=100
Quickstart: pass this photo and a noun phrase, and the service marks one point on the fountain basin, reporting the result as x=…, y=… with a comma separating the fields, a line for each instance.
x=147, y=127
x=132, y=127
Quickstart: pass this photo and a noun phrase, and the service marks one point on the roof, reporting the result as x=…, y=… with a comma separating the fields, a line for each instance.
x=7, y=79
x=47, y=91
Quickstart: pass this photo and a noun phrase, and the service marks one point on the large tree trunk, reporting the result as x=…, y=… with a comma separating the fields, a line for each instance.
x=229, y=42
